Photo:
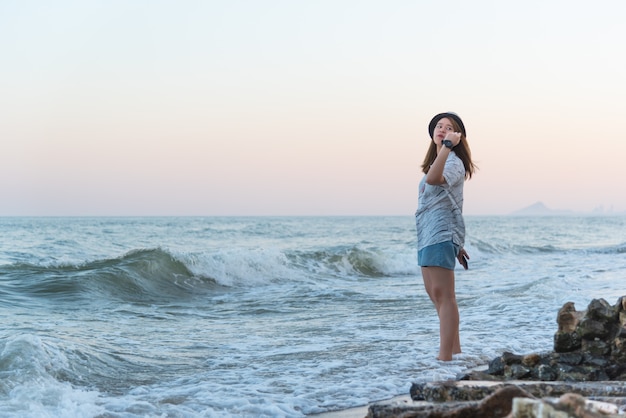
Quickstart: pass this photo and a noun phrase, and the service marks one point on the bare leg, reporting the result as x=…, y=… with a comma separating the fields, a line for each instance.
x=439, y=284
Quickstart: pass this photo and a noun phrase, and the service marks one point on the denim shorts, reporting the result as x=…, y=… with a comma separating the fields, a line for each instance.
x=438, y=255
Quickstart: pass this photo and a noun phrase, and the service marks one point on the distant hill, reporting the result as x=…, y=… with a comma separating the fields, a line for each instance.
x=539, y=209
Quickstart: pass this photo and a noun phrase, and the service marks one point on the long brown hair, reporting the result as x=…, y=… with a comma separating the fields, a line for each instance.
x=462, y=150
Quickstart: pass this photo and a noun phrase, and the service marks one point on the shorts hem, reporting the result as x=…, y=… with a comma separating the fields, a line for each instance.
x=441, y=255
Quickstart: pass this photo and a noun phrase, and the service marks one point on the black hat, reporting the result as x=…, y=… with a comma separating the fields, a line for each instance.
x=451, y=115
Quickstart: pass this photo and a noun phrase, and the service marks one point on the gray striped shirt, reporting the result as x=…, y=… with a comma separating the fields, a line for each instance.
x=439, y=215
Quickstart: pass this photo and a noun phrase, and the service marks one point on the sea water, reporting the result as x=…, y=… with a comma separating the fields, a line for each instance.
x=274, y=317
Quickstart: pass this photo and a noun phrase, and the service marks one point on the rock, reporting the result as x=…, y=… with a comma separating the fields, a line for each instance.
x=517, y=371
x=498, y=404
x=600, y=310
x=565, y=342
x=496, y=367
x=476, y=390
x=618, y=350
x=589, y=328
x=568, y=318
x=598, y=320
x=450, y=391
x=545, y=373
x=463, y=398
x=614, y=371
x=531, y=360
x=510, y=358
x=570, y=405
x=495, y=405
x=596, y=347
x=587, y=347
x=478, y=375
x=597, y=361
x=569, y=358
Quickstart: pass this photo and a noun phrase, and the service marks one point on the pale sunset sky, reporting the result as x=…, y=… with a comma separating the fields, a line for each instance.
x=306, y=107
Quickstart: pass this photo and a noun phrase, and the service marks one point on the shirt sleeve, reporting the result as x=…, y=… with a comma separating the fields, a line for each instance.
x=454, y=170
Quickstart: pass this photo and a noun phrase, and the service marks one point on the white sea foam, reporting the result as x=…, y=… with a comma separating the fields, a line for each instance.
x=242, y=266
x=29, y=387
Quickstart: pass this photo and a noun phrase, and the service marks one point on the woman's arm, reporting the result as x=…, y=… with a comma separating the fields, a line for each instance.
x=434, y=176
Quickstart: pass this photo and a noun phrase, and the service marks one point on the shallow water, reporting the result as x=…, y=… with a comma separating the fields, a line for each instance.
x=202, y=317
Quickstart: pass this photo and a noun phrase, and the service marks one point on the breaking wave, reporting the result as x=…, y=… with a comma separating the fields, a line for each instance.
x=153, y=275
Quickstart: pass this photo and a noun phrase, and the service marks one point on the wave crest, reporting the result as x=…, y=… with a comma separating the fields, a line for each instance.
x=498, y=248
x=157, y=275
x=355, y=261
x=144, y=275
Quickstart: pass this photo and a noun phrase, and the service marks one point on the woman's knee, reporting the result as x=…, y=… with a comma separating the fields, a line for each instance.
x=443, y=291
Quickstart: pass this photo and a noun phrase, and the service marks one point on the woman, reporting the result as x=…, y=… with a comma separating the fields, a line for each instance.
x=440, y=225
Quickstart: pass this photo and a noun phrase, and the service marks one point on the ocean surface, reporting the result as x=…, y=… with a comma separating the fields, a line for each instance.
x=270, y=317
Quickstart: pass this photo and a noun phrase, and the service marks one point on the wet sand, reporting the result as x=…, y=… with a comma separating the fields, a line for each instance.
x=361, y=411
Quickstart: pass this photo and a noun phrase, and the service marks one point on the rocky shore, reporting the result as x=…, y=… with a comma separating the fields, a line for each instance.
x=585, y=376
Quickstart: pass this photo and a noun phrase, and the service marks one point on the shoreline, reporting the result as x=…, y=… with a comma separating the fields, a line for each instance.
x=402, y=400
x=362, y=411
x=476, y=395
